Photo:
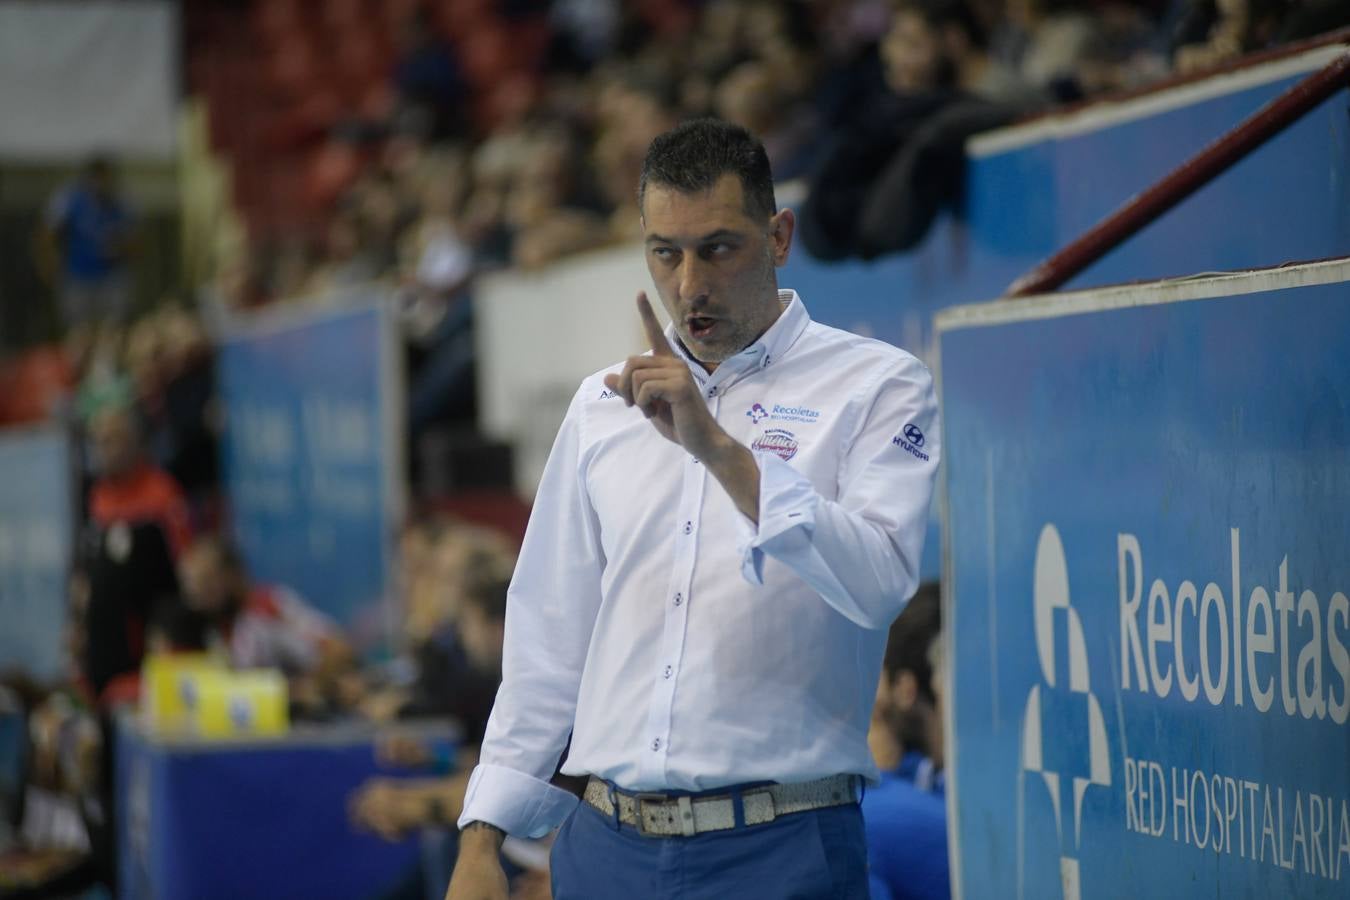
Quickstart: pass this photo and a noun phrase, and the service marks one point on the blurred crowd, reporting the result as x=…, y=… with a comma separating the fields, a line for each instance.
x=149, y=580
x=443, y=174
x=867, y=101
x=155, y=573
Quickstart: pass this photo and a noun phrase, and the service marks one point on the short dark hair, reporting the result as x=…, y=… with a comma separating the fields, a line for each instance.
x=692, y=157
x=912, y=633
x=486, y=592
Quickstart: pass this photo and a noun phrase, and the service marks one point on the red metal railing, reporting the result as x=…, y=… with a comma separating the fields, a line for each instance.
x=1186, y=179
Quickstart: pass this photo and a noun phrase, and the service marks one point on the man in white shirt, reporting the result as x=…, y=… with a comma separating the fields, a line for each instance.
x=723, y=533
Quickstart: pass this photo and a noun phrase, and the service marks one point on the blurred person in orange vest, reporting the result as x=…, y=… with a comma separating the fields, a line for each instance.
x=129, y=488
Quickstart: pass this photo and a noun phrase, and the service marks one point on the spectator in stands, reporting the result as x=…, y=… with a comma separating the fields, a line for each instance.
x=436, y=265
x=255, y=625
x=130, y=489
x=84, y=245
x=125, y=586
x=552, y=208
x=905, y=816
x=432, y=93
x=347, y=260
x=907, y=731
x=393, y=807
x=186, y=431
x=384, y=218
x=634, y=107
x=1212, y=32
x=888, y=175
x=751, y=96
x=445, y=643
x=584, y=32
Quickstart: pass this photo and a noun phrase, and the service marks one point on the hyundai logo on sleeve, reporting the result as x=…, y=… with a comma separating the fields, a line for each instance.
x=910, y=440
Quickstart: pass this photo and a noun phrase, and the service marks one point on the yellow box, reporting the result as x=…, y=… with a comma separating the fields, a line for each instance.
x=242, y=704
x=170, y=688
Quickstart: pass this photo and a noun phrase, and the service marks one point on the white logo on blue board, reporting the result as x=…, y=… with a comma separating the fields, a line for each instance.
x=1051, y=593
x=240, y=713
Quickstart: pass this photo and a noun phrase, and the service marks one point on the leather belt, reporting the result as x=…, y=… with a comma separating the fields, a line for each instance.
x=662, y=815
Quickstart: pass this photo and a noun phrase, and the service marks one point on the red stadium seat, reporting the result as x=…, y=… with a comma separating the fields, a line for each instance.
x=32, y=386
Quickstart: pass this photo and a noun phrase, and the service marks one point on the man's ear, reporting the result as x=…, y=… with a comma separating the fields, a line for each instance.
x=904, y=690
x=781, y=227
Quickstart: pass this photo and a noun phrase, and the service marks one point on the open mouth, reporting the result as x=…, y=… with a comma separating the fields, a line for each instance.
x=701, y=326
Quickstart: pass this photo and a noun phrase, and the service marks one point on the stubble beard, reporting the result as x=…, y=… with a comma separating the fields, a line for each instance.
x=742, y=331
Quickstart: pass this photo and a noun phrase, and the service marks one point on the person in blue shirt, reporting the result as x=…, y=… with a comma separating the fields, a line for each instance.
x=84, y=245
x=905, y=817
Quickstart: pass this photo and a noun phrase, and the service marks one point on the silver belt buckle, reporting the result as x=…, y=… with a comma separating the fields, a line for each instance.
x=641, y=800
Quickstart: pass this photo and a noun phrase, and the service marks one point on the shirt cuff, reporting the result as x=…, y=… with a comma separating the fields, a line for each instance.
x=787, y=516
x=517, y=803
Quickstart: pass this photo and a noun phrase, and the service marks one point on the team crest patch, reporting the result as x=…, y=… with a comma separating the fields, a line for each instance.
x=777, y=441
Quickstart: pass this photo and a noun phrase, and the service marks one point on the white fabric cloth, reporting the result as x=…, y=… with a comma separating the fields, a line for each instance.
x=682, y=646
x=277, y=629
x=97, y=76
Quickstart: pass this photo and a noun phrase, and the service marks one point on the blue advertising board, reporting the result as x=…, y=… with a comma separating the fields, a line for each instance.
x=36, y=533
x=200, y=819
x=1147, y=573
x=311, y=450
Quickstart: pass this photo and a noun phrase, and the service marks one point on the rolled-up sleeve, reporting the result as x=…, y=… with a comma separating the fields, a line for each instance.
x=550, y=612
x=860, y=550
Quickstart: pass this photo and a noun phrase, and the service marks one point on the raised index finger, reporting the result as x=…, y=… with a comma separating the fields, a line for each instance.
x=656, y=335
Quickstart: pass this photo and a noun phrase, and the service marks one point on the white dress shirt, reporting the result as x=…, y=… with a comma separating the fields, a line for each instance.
x=683, y=646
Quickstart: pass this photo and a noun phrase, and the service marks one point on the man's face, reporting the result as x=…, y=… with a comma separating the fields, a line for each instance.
x=205, y=580
x=911, y=54
x=713, y=265
x=116, y=448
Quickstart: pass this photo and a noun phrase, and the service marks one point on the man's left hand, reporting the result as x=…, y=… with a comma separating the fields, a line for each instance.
x=662, y=386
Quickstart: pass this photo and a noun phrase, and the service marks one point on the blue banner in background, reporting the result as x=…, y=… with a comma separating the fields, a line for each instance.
x=308, y=452
x=36, y=533
x=220, y=820
x=1149, y=526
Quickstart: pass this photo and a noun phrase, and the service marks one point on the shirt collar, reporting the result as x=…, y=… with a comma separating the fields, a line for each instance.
x=771, y=346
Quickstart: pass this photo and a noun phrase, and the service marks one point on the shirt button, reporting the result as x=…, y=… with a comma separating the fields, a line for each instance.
x=669, y=671
x=679, y=598
x=688, y=527
x=656, y=743
x=712, y=392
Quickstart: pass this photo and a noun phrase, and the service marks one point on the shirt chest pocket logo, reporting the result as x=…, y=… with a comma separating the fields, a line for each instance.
x=778, y=441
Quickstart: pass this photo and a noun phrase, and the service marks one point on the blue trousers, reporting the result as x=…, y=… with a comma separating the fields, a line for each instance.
x=811, y=855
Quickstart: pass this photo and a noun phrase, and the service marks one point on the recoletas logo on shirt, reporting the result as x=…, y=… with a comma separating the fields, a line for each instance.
x=777, y=441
